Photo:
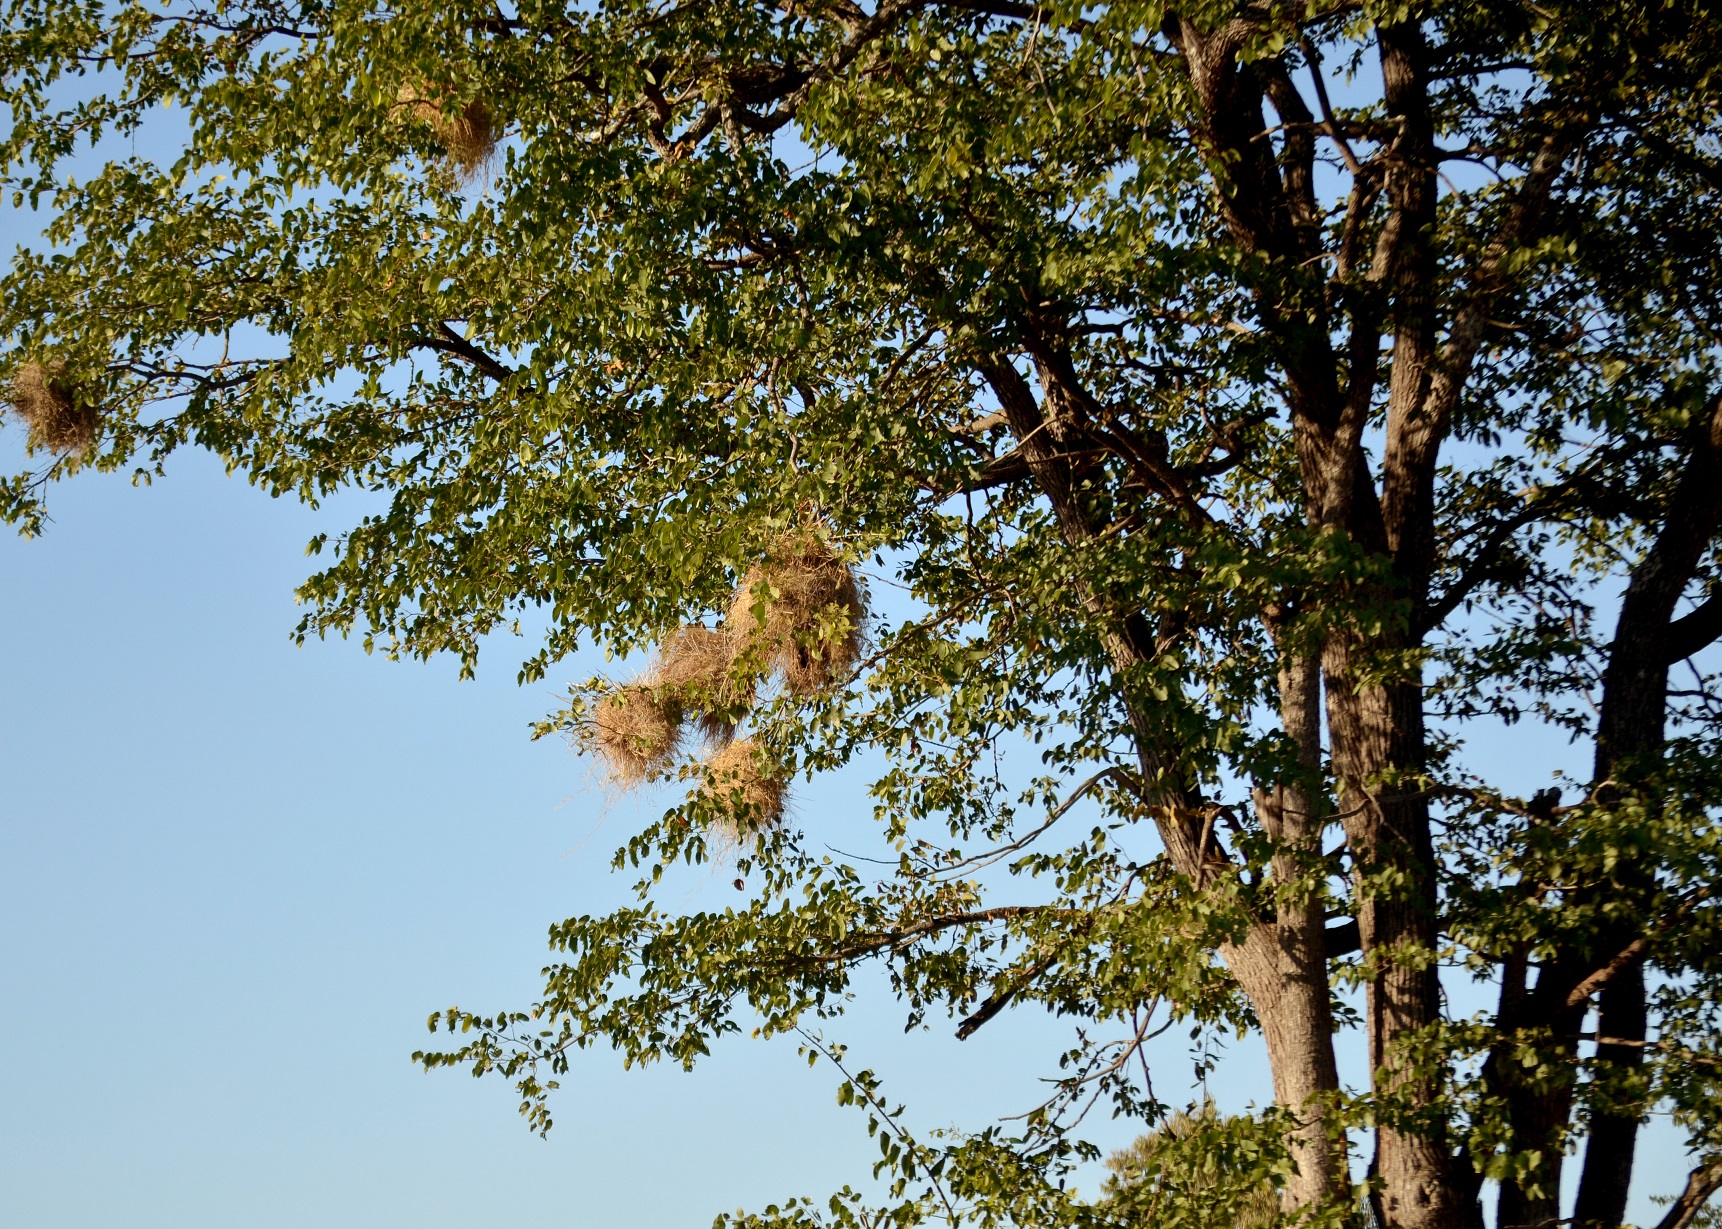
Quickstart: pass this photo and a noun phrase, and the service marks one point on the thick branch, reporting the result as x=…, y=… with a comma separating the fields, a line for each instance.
x=1701, y=1183
x=447, y=341
x=896, y=940
x=1694, y=631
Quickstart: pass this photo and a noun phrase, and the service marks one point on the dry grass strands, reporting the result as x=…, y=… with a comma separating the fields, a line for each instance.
x=692, y=656
x=59, y=420
x=468, y=137
x=800, y=612
x=635, y=731
x=695, y=662
x=751, y=799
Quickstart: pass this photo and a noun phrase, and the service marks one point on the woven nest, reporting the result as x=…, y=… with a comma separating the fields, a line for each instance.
x=800, y=612
x=58, y=418
x=695, y=663
x=468, y=136
x=752, y=799
x=635, y=730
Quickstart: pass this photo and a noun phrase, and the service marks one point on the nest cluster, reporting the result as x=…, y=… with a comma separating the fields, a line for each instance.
x=798, y=615
x=57, y=415
x=468, y=136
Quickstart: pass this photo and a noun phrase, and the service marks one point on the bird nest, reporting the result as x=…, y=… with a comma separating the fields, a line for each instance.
x=750, y=798
x=635, y=730
x=800, y=612
x=54, y=411
x=467, y=135
x=697, y=664
x=797, y=613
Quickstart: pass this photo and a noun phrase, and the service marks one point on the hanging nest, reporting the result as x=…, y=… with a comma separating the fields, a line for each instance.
x=59, y=419
x=696, y=664
x=800, y=613
x=635, y=730
x=751, y=799
x=468, y=137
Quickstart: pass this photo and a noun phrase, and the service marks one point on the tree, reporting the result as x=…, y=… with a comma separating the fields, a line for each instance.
x=1193, y=1167
x=1251, y=400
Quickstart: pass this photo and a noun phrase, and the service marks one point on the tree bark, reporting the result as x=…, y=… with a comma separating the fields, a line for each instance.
x=1378, y=727
x=1299, y=1030
x=1701, y=1183
x=1606, y=1179
x=1378, y=740
x=1538, y=1114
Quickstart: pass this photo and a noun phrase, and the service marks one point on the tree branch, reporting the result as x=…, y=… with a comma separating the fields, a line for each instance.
x=1000, y=999
x=1701, y=1183
x=1694, y=631
x=447, y=341
x=895, y=940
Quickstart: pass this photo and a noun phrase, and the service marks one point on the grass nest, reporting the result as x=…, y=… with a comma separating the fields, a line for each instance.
x=467, y=136
x=800, y=613
x=697, y=664
x=59, y=418
x=752, y=799
x=635, y=730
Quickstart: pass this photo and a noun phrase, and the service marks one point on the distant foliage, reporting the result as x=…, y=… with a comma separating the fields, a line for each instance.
x=1195, y=1168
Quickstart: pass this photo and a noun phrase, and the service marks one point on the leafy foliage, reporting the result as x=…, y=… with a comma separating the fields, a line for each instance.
x=1224, y=470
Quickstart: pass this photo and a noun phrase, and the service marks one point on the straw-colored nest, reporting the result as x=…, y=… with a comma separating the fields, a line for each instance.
x=468, y=136
x=800, y=613
x=58, y=418
x=751, y=798
x=635, y=730
x=695, y=663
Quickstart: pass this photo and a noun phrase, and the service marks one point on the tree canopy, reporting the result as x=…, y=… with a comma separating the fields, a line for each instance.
x=1242, y=403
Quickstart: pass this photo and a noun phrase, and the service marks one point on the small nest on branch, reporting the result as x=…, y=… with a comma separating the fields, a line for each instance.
x=800, y=611
x=635, y=731
x=695, y=662
x=752, y=799
x=59, y=419
x=468, y=137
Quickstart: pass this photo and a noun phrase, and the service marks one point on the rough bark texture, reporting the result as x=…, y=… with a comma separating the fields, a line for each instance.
x=1377, y=742
x=1299, y=1029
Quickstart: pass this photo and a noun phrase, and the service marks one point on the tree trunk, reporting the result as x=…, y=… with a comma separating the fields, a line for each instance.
x=1607, y=1175
x=1377, y=736
x=1299, y=1031
x=1537, y=1114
